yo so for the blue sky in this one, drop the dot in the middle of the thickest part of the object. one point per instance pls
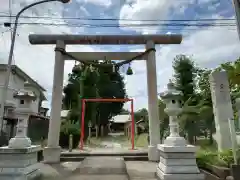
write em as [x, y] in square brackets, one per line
[209, 46]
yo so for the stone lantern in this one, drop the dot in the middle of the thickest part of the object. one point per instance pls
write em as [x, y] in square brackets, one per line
[177, 159]
[19, 158]
[172, 98]
[23, 111]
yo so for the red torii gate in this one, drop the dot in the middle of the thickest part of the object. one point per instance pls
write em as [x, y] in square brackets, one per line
[106, 100]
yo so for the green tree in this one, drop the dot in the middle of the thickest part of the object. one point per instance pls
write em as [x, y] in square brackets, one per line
[97, 83]
[233, 71]
[205, 107]
[185, 73]
[141, 114]
[110, 85]
[164, 120]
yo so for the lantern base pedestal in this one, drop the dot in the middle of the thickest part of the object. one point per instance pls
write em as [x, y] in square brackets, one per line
[178, 163]
[19, 142]
[19, 164]
[175, 141]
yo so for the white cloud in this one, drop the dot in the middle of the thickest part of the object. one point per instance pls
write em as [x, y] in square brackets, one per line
[105, 3]
[37, 61]
[148, 10]
[209, 48]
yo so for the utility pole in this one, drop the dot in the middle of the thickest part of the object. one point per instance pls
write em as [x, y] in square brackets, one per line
[236, 6]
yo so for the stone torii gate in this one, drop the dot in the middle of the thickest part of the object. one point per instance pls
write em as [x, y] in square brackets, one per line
[52, 151]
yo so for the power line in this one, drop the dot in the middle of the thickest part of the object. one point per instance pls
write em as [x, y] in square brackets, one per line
[166, 29]
[114, 19]
[132, 25]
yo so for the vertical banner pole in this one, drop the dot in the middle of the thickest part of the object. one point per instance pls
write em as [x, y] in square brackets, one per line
[133, 124]
[82, 124]
[233, 139]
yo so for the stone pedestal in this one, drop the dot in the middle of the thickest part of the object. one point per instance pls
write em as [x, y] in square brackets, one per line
[19, 164]
[52, 155]
[178, 163]
[177, 159]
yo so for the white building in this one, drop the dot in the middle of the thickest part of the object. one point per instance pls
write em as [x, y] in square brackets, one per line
[18, 81]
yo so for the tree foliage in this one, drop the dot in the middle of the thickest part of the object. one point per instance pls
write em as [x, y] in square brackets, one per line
[141, 114]
[164, 120]
[233, 71]
[184, 75]
[90, 84]
[197, 118]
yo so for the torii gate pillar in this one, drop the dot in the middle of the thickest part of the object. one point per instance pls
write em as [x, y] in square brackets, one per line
[154, 122]
[52, 152]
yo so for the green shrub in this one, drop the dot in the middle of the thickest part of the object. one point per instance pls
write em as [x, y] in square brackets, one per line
[206, 157]
[67, 128]
[223, 159]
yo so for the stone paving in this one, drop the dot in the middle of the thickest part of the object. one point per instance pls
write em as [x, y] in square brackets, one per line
[140, 170]
[100, 168]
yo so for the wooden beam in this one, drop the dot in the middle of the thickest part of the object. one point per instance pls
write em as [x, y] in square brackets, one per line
[107, 100]
[89, 56]
[104, 39]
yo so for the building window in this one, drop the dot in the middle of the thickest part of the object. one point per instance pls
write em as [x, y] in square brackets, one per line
[21, 101]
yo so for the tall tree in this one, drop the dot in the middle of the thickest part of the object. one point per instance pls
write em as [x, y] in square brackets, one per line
[98, 83]
[110, 85]
[205, 107]
[184, 76]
